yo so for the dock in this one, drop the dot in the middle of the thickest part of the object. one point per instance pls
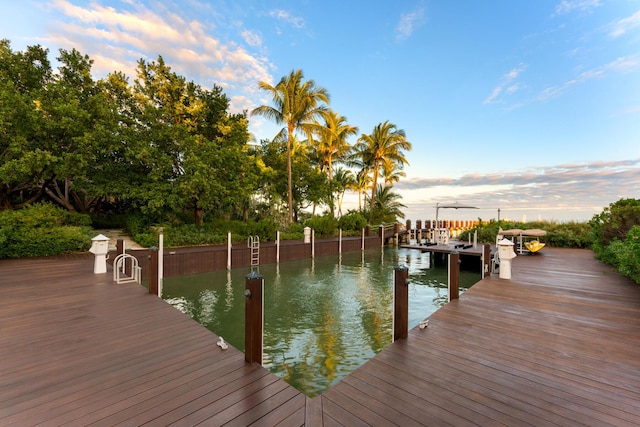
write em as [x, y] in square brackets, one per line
[557, 344]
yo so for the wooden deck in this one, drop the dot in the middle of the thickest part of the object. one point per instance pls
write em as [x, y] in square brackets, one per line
[558, 344]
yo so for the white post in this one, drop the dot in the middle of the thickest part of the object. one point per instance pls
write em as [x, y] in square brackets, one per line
[124, 251]
[362, 244]
[277, 246]
[475, 239]
[160, 262]
[340, 241]
[228, 250]
[313, 243]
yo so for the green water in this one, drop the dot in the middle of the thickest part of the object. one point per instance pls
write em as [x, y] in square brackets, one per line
[324, 317]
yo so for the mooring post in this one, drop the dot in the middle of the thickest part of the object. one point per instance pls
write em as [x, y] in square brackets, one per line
[486, 259]
[153, 270]
[454, 275]
[278, 246]
[400, 302]
[396, 232]
[340, 241]
[254, 320]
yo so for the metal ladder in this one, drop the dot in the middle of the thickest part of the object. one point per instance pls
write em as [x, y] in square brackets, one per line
[254, 245]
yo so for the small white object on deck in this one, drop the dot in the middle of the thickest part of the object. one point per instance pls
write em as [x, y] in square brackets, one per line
[223, 345]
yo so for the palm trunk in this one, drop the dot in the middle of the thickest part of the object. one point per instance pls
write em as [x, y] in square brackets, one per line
[290, 173]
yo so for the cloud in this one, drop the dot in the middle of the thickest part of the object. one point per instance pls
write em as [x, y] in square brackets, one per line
[582, 6]
[625, 25]
[284, 16]
[625, 64]
[408, 23]
[507, 79]
[571, 191]
[117, 38]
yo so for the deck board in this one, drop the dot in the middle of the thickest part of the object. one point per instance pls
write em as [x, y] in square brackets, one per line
[555, 345]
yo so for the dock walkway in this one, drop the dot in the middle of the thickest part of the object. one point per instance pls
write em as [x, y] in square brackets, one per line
[557, 344]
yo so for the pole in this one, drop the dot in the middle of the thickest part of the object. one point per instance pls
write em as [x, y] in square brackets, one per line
[228, 250]
[278, 246]
[454, 275]
[153, 271]
[160, 263]
[401, 303]
[254, 317]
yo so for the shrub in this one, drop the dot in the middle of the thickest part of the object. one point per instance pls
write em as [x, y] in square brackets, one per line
[324, 226]
[352, 222]
[42, 230]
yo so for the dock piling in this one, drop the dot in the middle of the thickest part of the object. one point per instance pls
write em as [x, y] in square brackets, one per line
[401, 303]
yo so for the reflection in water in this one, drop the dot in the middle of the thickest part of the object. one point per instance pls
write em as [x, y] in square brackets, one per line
[323, 317]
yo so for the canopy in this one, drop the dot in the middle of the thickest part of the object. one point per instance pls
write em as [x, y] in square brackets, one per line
[455, 205]
[534, 232]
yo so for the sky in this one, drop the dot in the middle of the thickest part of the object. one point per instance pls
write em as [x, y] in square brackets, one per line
[530, 107]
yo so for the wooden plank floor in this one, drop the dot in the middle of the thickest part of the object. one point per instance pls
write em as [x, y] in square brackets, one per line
[78, 350]
[557, 344]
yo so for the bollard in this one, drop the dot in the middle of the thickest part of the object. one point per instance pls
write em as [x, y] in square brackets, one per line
[486, 260]
[153, 271]
[254, 317]
[454, 275]
[401, 303]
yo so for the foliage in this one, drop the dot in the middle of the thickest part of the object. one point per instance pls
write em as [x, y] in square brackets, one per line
[159, 145]
[297, 105]
[614, 222]
[564, 235]
[616, 237]
[324, 226]
[382, 150]
[42, 230]
[625, 255]
[352, 221]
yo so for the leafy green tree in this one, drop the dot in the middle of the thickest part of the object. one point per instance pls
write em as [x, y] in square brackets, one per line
[297, 105]
[310, 184]
[385, 145]
[24, 159]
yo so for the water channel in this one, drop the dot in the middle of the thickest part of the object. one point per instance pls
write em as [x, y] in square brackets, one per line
[323, 317]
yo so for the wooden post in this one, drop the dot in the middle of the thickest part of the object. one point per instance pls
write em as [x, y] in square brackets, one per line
[486, 260]
[396, 232]
[454, 275]
[401, 303]
[153, 270]
[254, 320]
[228, 250]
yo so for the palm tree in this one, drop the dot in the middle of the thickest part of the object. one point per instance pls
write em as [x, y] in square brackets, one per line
[333, 145]
[297, 105]
[386, 144]
[392, 171]
[387, 207]
[343, 180]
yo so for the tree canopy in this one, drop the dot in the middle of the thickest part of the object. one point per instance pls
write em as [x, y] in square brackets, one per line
[165, 146]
